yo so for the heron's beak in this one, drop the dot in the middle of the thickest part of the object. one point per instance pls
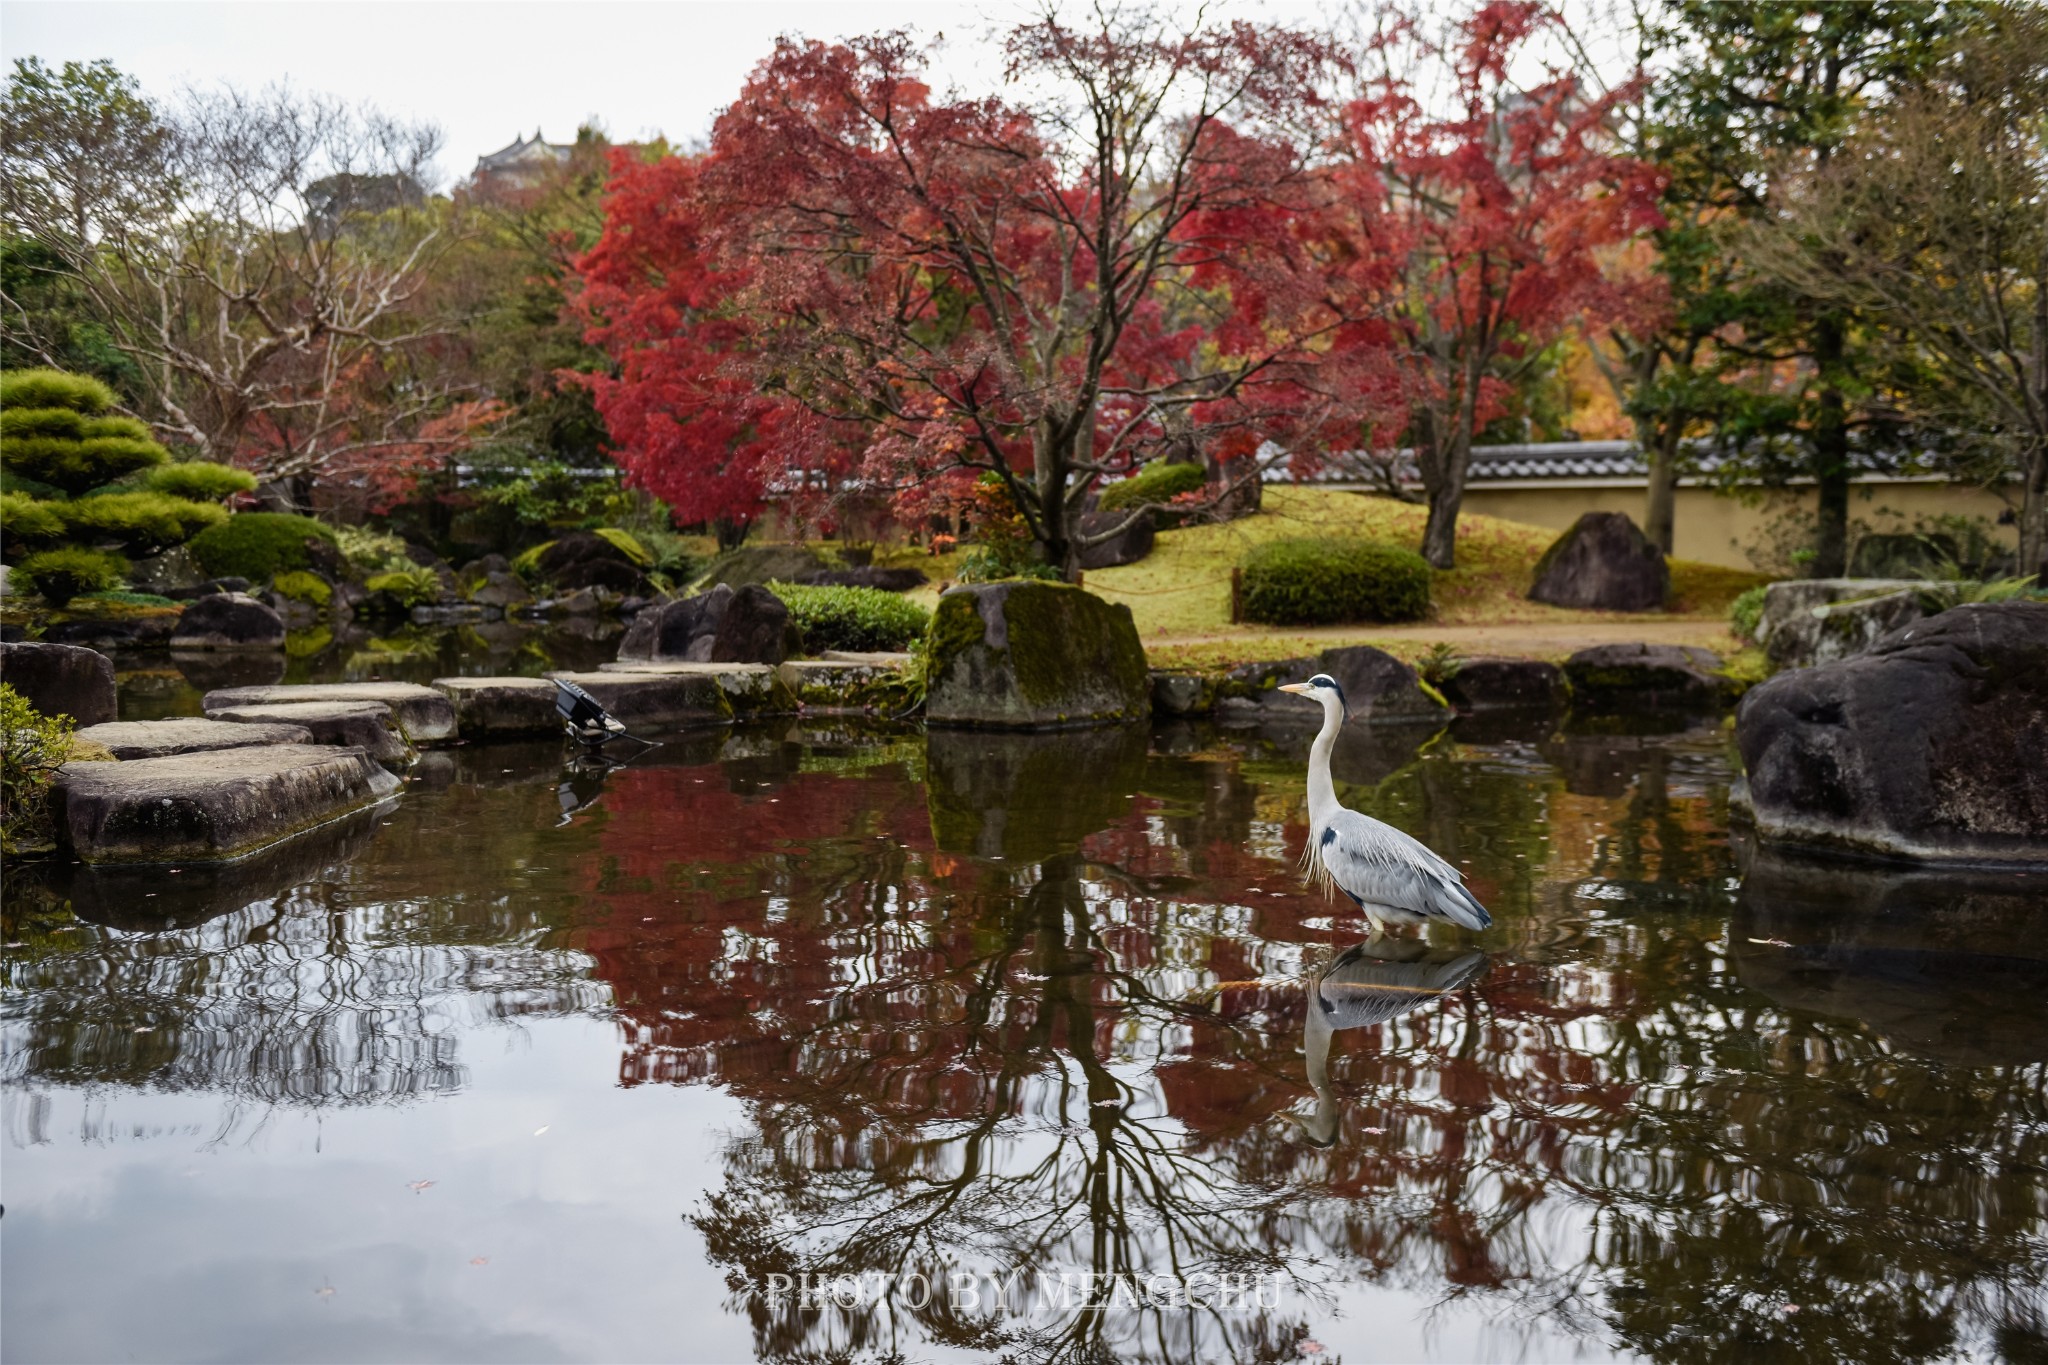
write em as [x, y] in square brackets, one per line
[1299, 689]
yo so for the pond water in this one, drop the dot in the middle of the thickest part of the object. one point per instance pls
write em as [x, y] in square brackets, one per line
[554, 1062]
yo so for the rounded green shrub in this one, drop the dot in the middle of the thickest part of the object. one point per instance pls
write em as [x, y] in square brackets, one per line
[54, 389]
[1156, 482]
[200, 480]
[62, 574]
[1323, 582]
[852, 618]
[257, 545]
[1746, 612]
[27, 524]
[60, 423]
[141, 523]
[303, 586]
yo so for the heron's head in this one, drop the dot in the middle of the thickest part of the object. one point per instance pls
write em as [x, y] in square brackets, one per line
[1323, 688]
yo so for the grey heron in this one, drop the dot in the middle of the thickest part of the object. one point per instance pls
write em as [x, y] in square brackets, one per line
[1361, 988]
[1392, 877]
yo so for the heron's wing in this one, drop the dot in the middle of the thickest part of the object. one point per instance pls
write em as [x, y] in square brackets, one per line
[1376, 864]
[1356, 990]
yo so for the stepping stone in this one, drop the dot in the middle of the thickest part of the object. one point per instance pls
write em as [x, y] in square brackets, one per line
[130, 739]
[219, 804]
[424, 714]
[488, 707]
[670, 697]
[750, 689]
[879, 658]
[368, 725]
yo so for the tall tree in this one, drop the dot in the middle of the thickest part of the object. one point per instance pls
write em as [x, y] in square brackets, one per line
[1032, 292]
[1933, 224]
[1497, 201]
[1757, 91]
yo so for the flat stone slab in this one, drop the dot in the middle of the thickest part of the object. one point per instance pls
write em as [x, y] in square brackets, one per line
[487, 707]
[220, 804]
[880, 658]
[424, 714]
[669, 697]
[131, 739]
[834, 684]
[750, 689]
[366, 725]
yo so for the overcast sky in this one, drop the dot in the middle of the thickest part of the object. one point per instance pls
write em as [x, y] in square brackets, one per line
[489, 70]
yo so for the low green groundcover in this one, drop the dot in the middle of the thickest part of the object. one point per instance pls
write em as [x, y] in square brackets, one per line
[1312, 582]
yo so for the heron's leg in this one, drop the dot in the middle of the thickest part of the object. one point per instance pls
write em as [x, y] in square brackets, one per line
[1379, 927]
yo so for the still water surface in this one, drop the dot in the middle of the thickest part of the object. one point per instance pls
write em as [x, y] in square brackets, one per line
[555, 1063]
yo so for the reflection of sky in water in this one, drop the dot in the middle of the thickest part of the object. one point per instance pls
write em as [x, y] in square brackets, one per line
[857, 1004]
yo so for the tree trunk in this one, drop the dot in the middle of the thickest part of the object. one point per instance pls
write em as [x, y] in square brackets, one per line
[1447, 495]
[2034, 516]
[1660, 504]
[1831, 471]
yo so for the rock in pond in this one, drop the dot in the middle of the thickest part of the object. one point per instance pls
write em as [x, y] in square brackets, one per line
[367, 725]
[657, 699]
[131, 739]
[1929, 747]
[841, 685]
[1023, 798]
[750, 689]
[1490, 683]
[585, 559]
[1648, 676]
[1812, 621]
[487, 708]
[229, 620]
[1176, 693]
[1378, 688]
[221, 804]
[423, 713]
[1603, 563]
[60, 680]
[1031, 655]
[748, 625]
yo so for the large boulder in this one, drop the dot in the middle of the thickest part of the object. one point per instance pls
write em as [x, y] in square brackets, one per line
[1928, 747]
[1127, 546]
[1608, 677]
[229, 620]
[750, 625]
[585, 559]
[220, 804]
[1812, 621]
[500, 588]
[60, 680]
[1603, 563]
[1488, 683]
[867, 576]
[130, 628]
[1031, 655]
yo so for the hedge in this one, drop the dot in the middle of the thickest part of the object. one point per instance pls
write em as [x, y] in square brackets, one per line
[1323, 582]
[257, 545]
[852, 618]
[1157, 482]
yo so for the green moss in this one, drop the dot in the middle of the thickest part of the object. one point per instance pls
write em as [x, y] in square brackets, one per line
[956, 627]
[626, 545]
[305, 644]
[1157, 482]
[527, 563]
[303, 586]
[257, 545]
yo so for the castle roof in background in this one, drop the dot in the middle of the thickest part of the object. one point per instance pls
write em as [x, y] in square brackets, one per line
[524, 156]
[1555, 464]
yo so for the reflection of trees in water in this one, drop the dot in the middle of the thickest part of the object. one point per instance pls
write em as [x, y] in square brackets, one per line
[1611, 1131]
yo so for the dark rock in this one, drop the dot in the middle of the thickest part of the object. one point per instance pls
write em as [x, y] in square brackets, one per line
[423, 713]
[1812, 621]
[749, 689]
[1647, 676]
[60, 679]
[453, 614]
[1487, 683]
[366, 725]
[888, 580]
[585, 559]
[324, 557]
[295, 614]
[655, 700]
[489, 707]
[219, 804]
[1928, 747]
[763, 564]
[229, 621]
[500, 588]
[208, 588]
[1127, 546]
[582, 602]
[1378, 688]
[130, 739]
[484, 566]
[750, 625]
[1182, 694]
[1603, 563]
[169, 574]
[1031, 655]
[130, 630]
[10, 632]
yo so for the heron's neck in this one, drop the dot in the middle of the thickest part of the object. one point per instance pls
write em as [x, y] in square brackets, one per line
[1322, 791]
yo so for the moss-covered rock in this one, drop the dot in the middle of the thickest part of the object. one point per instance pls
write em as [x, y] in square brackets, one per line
[1607, 677]
[1031, 655]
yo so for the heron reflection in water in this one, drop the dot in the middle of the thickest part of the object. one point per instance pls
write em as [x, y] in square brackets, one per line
[1392, 877]
[1369, 984]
